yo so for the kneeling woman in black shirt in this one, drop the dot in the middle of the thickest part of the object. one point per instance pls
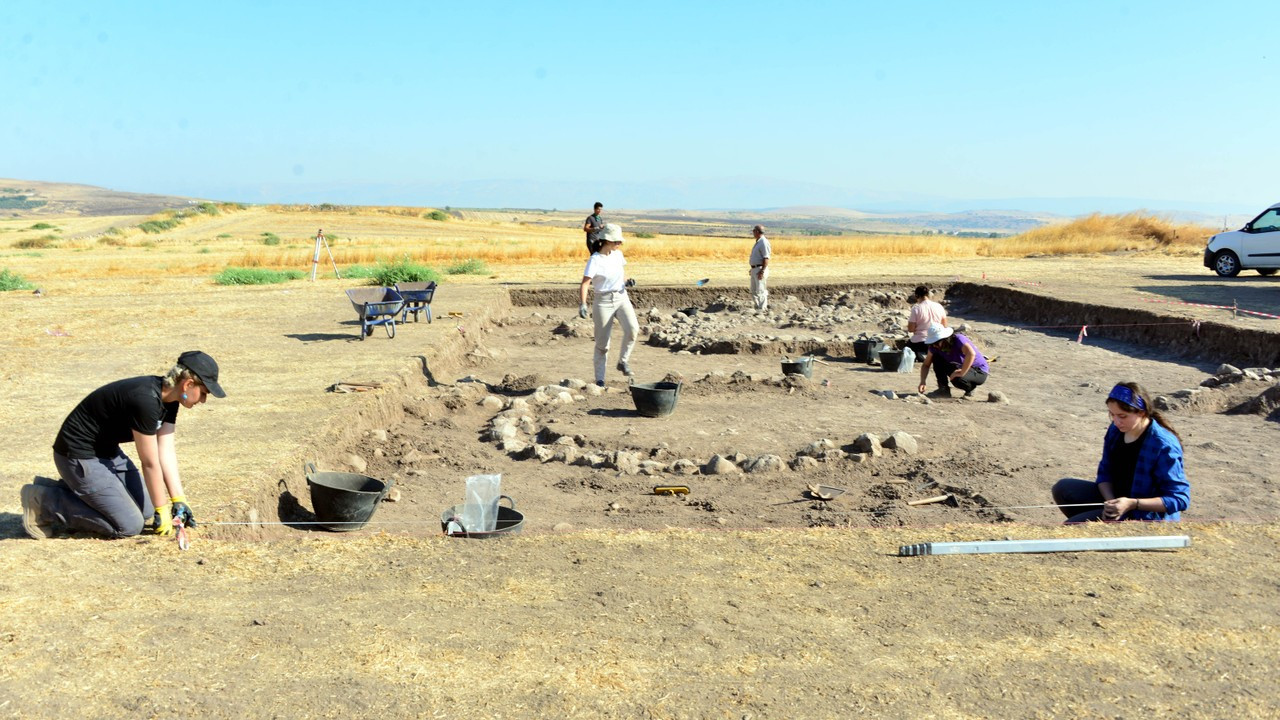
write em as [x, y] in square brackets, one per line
[1140, 476]
[102, 492]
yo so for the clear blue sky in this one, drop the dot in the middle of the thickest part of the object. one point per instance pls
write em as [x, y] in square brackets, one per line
[658, 104]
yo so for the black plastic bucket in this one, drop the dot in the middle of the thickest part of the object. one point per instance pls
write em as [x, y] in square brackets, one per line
[510, 522]
[655, 399]
[890, 359]
[344, 501]
[862, 350]
[799, 366]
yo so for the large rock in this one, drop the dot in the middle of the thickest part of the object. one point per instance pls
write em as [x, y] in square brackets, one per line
[355, 462]
[652, 467]
[514, 446]
[502, 431]
[902, 441]
[491, 402]
[804, 462]
[867, 443]
[765, 463]
[817, 448]
[995, 396]
[719, 465]
[1225, 369]
[683, 467]
[627, 461]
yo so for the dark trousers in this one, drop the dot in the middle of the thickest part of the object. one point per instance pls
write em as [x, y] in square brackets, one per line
[942, 371]
[103, 496]
[1074, 491]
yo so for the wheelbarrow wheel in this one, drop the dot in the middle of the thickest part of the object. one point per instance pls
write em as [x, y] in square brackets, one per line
[391, 328]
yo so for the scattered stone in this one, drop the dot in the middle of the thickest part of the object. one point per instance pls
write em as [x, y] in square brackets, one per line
[355, 462]
[903, 441]
[393, 495]
[561, 527]
[514, 446]
[491, 402]
[996, 396]
[889, 394]
[1210, 382]
[543, 453]
[615, 506]
[683, 467]
[574, 383]
[652, 467]
[566, 454]
[860, 457]
[1225, 369]
[378, 435]
[765, 463]
[627, 461]
[804, 462]
[719, 465]
[502, 431]
[379, 452]
[593, 390]
[867, 443]
[817, 448]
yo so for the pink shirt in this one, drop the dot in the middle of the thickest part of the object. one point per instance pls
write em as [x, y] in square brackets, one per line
[923, 314]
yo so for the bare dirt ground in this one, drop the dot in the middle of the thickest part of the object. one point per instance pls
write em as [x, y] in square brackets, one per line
[742, 599]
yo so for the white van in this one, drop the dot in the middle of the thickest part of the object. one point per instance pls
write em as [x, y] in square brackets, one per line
[1256, 246]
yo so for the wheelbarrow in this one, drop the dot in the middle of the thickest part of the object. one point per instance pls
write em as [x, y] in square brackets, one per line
[376, 306]
[417, 298]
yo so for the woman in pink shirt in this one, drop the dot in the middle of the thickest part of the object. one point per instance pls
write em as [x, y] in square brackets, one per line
[924, 312]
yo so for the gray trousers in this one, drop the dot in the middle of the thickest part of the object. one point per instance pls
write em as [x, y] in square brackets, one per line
[103, 496]
[606, 308]
[760, 288]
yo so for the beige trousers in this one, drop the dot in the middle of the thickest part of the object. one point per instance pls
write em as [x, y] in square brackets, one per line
[606, 308]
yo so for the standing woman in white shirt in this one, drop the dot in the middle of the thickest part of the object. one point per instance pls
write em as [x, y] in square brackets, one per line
[606, 274]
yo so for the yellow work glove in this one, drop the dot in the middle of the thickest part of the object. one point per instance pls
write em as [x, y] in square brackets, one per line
[164, 519]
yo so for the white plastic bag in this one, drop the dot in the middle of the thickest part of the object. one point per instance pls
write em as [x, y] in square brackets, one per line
[480, 511]
[908, 361]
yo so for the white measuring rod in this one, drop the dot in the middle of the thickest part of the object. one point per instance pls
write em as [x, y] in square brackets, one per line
[1150, 542]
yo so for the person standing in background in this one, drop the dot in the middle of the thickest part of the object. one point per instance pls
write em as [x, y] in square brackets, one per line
[759, 273]
[593, 226]
[606, 275]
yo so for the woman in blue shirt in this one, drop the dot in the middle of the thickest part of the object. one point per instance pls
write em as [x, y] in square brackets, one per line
[1140, 476]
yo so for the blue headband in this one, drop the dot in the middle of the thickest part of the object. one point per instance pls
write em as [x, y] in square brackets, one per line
[1120, 393]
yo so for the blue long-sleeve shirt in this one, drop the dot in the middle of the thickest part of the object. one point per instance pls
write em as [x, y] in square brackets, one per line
[1158, 473]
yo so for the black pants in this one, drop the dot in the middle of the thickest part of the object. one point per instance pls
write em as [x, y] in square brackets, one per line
[942, 371]
[1074, 491]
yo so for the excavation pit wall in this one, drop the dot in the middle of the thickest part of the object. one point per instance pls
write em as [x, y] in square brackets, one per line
[444, 424]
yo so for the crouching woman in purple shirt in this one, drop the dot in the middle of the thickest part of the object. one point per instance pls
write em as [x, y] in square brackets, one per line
[1140, 476]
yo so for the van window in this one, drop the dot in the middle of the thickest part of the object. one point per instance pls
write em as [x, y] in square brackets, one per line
[1268, 221]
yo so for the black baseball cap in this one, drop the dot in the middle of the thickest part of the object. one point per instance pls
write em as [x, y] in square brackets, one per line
[204, 368]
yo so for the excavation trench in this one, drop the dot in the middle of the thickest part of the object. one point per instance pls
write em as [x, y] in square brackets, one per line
[512, 397]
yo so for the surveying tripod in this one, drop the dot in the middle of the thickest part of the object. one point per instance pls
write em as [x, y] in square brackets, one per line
[315, 258]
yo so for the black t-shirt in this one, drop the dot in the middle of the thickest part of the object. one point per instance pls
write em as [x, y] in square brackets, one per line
[1124, 461]
[110, 414]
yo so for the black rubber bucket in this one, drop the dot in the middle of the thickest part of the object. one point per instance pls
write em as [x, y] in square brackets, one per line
[655, 399]
[510, 522]
[799, 366]
[344, 501]
[862, 350]
[890, 359]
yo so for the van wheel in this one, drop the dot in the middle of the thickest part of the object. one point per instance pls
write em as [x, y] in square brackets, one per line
[1268, 271]
[1226, 264]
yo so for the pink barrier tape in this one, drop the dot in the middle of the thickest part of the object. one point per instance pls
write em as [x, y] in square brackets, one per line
[1216, 307]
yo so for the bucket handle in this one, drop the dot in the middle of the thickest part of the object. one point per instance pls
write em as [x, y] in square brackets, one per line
[308, 468]
[386, 488]
[457, 519]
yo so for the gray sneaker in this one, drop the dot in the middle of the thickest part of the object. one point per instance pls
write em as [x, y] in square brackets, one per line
[32, 497]
[940, 393]
[625, 369]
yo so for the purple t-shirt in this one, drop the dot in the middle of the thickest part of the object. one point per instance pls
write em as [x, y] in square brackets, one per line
[955, 355]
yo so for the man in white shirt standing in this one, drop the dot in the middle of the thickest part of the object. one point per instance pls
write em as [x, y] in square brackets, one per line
[606, 275]
[759, 273]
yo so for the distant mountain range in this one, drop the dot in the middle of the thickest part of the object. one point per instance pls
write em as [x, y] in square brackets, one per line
[873, 214]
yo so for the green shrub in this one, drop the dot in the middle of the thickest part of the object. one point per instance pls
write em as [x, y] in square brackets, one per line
[113, 230]
[13, 281]
[270, 239]
[207, 208]
[205, 251]
[360, 272]
[437, 215]
[223, 236]
[47, 241]
[112, 241]
[255, 276]
[470, 266]
[158, 226]
[43, 226]
[644, 235]
[403, 270]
